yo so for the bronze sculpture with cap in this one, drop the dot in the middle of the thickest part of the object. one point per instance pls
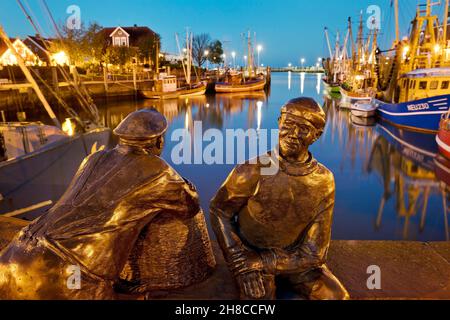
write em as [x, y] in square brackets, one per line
[279, 226]
[122, 205]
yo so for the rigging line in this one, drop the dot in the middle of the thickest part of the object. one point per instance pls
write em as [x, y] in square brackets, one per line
[86, 101]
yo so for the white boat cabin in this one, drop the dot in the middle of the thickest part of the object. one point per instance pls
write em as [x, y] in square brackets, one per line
[21, 139]
[166, 83]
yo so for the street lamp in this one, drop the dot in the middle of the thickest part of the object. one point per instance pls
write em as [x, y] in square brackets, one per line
[245, 60]
[303, 62]
[206, 53]
[233, 54]
[224, 56]
[259, 53]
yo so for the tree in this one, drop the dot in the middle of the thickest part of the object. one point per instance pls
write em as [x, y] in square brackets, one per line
[200, 44]
[216, 52]
[149, 47]
[94, 43]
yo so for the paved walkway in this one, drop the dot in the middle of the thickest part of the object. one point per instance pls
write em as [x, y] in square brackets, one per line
[409, 270]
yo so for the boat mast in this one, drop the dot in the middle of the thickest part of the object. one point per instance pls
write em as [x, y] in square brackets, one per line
[350, 28]
[446, 8]
[189, 56]
[250, 55]
[328, 43]
[29, 77]
[397, 23]
[360, 39]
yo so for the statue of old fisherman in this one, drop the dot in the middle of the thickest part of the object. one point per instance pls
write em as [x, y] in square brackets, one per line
[127, 217]
[278, 227]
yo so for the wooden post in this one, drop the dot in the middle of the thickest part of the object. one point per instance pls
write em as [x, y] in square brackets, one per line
[105, 78]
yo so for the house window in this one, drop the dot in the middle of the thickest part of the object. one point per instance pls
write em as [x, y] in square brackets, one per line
[412, 84]
[434, 85]
[423, 85]
[445, 85]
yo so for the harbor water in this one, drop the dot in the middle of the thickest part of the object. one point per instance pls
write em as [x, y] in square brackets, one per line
[389, 183]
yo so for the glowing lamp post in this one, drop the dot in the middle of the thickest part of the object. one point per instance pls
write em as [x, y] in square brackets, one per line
[233, 54]
[206, 54]
[259, 48]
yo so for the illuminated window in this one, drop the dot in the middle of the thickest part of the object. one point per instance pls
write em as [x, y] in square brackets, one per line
[434, 85]
[423, 85]
[445, 85]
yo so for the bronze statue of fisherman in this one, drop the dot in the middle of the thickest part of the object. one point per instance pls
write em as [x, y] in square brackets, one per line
[278, 227]
[127, 217]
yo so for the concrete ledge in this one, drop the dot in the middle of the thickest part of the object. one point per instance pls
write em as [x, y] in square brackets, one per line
[409, 270]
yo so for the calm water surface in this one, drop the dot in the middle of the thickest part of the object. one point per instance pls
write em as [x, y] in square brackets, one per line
[389, 186]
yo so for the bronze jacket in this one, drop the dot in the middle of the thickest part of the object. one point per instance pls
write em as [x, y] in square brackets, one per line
[94, 226]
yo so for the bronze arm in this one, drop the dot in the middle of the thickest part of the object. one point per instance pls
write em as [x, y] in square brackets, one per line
[312, 249]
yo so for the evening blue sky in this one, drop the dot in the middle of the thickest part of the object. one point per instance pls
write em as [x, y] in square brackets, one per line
[287, 29]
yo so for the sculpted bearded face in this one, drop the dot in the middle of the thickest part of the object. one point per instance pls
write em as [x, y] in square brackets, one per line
[296, 135]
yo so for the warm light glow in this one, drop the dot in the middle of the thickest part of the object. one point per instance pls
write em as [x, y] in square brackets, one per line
[437, 49]
[60, 58]
[206, 53]
[68, 128]
[8, 58]
[259, 105]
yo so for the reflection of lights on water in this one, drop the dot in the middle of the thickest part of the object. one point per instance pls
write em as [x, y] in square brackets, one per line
[302, 82]
[289, 80]
[207, 105]
[259, 105]
[186, 121]
[68, 127]
[319, 82]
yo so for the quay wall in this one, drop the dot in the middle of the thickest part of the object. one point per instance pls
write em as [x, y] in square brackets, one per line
[21, 97]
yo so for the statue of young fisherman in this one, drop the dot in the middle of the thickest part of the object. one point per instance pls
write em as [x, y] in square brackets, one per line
[279, 226]
[121, 205]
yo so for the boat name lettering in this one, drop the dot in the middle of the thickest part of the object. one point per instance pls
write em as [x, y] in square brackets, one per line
[417, 107]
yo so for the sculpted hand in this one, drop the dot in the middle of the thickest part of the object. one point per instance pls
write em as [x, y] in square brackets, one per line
[252, 285]
[245, 261]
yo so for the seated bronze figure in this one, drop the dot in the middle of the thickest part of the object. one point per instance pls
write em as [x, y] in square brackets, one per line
[127, 219]
[279, 227]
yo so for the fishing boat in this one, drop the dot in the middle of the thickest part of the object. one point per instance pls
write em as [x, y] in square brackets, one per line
[364, 110]
[418, 90]
[361, 82]
[35, 155]
[165, 87]
[247, 86]
[249, 81]
[443, 136]
[198, 89]
[355, 96]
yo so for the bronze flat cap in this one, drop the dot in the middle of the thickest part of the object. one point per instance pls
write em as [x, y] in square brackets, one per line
[306, 108]
[142, 125]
